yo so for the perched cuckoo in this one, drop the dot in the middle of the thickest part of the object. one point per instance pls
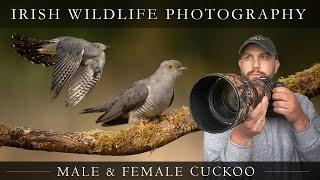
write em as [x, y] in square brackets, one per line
[75, 61]
[145, 99]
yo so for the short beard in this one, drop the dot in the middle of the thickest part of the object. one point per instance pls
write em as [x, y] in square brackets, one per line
[256, 71]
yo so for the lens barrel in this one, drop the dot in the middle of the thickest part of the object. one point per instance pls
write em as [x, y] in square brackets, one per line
[220, 101]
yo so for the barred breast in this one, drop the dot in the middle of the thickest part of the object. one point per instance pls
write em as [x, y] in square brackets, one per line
[149, 109]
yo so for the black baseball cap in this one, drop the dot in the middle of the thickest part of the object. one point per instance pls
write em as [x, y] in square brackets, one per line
[262, 41]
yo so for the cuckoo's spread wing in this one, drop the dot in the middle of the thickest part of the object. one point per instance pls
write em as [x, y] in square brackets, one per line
[69, 56]
[85, 80]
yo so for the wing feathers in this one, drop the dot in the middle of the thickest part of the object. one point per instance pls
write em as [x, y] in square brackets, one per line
[85, 81]
[66, 67]
[66, 54]
[130, 99]
[84, 85]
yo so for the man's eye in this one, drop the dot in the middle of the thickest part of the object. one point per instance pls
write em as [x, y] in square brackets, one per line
[247, 58]
[263, 57]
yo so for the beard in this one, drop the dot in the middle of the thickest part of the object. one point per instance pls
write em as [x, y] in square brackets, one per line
[254, 74]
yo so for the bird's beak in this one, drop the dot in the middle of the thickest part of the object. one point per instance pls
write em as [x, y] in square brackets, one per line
[182, 69]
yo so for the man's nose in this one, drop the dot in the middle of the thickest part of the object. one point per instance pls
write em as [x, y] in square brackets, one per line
[256, 63]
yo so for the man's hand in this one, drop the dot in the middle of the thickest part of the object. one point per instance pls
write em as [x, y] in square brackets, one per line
[286, 103]
[243, 133]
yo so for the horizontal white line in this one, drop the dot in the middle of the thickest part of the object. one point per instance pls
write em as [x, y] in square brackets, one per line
[28, 171]
[289, 171]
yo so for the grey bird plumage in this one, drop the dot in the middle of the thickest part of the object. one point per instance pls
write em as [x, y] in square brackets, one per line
[74, 60]
[145, 99]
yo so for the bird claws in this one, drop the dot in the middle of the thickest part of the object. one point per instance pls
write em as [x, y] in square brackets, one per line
[142, 124]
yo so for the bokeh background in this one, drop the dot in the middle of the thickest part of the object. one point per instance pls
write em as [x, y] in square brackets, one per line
[134, 54]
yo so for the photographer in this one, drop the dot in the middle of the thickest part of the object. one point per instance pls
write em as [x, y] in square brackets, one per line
[293, 137]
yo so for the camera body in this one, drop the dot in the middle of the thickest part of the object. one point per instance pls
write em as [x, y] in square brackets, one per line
[220, 101]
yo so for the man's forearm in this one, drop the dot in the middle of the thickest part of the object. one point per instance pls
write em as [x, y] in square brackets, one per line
[219, 147]
[308, 143]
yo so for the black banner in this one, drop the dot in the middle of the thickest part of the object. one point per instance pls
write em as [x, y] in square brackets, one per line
[197, 14]
[158, 170]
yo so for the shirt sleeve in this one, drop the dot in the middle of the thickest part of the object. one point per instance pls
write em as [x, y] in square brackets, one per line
[219, 147]
[307, 142]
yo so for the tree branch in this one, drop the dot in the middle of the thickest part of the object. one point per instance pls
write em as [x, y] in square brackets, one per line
[161, 131]
[306, 82]
[146, 137]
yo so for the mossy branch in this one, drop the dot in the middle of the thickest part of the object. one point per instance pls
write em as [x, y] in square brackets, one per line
[306, 82]
[146, 137]
[161, 131]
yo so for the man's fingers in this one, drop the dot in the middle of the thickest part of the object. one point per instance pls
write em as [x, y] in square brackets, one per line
[280, 110]
[280, 90]
[255, 122]
[265, 102]
[280, 96]
[256, 111]
[260, 110]
[281, 104]
[260, 125]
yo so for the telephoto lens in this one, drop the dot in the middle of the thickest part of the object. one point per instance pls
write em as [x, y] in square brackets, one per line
[221, 101]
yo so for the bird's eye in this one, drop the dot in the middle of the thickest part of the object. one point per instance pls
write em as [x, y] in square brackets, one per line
[170, 66]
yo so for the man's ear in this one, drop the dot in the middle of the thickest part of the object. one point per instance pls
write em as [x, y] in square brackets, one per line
[276, 66]
[240, 63]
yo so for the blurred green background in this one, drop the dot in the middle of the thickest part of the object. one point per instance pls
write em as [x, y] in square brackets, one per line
[134, 54]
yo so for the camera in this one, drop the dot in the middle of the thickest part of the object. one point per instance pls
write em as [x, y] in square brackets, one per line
[221, 101]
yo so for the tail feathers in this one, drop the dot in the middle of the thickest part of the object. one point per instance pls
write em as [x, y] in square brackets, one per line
[112, 115]
[118, 121]
[30, 49]
[109, 116]
[113, 118]
[102, 108]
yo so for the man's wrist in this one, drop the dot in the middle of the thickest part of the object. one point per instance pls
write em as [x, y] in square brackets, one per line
[241, 139]
[301, 124]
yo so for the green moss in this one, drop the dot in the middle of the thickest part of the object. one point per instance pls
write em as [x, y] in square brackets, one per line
[146, 136]
[305, 82]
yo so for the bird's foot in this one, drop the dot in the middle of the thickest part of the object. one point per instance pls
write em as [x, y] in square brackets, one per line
[143, 123]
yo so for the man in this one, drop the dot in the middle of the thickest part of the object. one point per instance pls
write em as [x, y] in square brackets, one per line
[293, 138]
